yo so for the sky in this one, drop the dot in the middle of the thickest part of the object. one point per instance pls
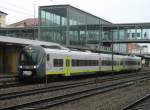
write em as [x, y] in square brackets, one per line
[115, 11]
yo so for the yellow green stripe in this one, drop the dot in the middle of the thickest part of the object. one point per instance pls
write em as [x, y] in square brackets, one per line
[73, 71]
[82, 71]
[55, 72]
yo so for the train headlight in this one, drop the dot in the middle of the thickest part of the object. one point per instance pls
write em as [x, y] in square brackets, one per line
[20, 66]
[34, 67]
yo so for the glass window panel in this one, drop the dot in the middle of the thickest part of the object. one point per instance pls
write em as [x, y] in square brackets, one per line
[43, 17]
[53, 18]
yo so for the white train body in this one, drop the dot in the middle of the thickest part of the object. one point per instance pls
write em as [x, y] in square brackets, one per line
[68, 63]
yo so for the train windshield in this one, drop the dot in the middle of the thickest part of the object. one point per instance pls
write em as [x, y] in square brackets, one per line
[29, 58]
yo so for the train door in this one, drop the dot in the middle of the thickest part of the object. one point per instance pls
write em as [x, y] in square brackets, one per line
[67, 66]
[100, 63]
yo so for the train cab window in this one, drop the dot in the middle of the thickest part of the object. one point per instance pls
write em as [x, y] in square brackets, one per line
[47, 57]
[22, 57]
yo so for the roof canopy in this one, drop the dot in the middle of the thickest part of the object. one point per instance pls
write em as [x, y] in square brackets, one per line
[1, 12]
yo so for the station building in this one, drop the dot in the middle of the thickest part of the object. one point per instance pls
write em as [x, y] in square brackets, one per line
[70, 27]
[2, 19]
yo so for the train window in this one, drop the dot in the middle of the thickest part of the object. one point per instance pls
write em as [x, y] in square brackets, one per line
[95, 62]
[73, 62]
[47, 57]
[22, 57]
[121, 62]
[77, 62]
[92, 62]
[114, 62]
[139, 63]
[84, 62]
[58, 62]
[108, 63]
[102, 62]
[88, 62]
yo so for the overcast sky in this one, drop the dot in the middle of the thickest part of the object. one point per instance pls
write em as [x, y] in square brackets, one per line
[116, 11]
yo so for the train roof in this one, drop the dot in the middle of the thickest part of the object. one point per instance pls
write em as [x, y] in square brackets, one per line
[62, 51]
[21, 41]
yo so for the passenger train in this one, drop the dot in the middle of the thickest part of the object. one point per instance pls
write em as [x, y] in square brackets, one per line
[37, 62]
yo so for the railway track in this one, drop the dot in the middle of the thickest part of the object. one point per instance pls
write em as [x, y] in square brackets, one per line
[70, 92]
[48, 88]
[8, 80]
[142, 104]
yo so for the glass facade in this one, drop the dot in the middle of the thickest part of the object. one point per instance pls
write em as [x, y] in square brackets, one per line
[20, 32]
[53, 24]
[131, 33]
[77, 27]
[68, 25]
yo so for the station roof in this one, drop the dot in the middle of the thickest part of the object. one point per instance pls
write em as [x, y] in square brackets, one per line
[68, 5]
[1, 12]
[20, 41]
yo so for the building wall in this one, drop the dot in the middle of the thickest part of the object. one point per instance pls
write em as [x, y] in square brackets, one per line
[2, 20]
[22, 32]
[9, 56]
[135, 48]
[122, 48]
[1, 61]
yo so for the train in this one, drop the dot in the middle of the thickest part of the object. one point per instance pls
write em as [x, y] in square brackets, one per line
[37, 62]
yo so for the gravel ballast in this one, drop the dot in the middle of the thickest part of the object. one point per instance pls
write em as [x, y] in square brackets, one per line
[114, 100]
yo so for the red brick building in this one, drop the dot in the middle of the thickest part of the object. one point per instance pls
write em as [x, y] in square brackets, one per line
[134, 48]
[29, 22]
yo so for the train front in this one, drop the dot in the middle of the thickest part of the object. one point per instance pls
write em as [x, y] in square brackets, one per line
[32, 62]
